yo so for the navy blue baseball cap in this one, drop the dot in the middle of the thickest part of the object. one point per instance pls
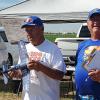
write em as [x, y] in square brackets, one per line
[93, 12]
[32, 21]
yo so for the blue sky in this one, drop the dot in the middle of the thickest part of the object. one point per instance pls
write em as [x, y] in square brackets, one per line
[7, 3]
[64, 27]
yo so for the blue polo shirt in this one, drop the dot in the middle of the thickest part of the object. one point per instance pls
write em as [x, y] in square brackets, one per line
[84, 84]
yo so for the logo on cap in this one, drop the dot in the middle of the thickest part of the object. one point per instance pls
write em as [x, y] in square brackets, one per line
[28, 20]
[32, 20]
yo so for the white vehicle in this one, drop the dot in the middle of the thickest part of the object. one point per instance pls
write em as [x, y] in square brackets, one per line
[68, 46]
[83, 31]
[8, 51]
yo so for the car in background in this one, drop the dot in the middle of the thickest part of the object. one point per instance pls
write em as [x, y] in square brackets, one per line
[69, 46]
[8, 50]
[83, 31]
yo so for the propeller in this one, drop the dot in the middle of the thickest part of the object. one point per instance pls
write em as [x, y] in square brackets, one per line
[5, 69]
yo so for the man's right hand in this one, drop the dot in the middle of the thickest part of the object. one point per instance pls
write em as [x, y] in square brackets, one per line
[15, 74]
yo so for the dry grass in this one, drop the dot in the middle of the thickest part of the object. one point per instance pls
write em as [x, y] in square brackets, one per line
[9, 96]
[7, 92]
[12, 96]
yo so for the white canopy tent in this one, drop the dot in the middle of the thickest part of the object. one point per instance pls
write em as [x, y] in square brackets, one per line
[51, 11]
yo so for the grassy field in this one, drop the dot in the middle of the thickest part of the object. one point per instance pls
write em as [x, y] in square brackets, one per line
[7, 91]
[52, 37]
[11, 96]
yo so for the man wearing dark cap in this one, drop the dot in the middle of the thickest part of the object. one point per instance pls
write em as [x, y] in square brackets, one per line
[88, 81]
[46, 64]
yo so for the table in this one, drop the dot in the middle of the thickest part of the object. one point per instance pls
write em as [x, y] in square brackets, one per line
[70, 68]
[70, 72]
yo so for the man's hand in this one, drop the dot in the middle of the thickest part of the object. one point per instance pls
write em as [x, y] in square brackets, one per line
[94, 74]
[15, 74]
[34, 65]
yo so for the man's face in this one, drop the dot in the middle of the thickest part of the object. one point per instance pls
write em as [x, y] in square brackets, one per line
[94, 24]
[33, 32]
